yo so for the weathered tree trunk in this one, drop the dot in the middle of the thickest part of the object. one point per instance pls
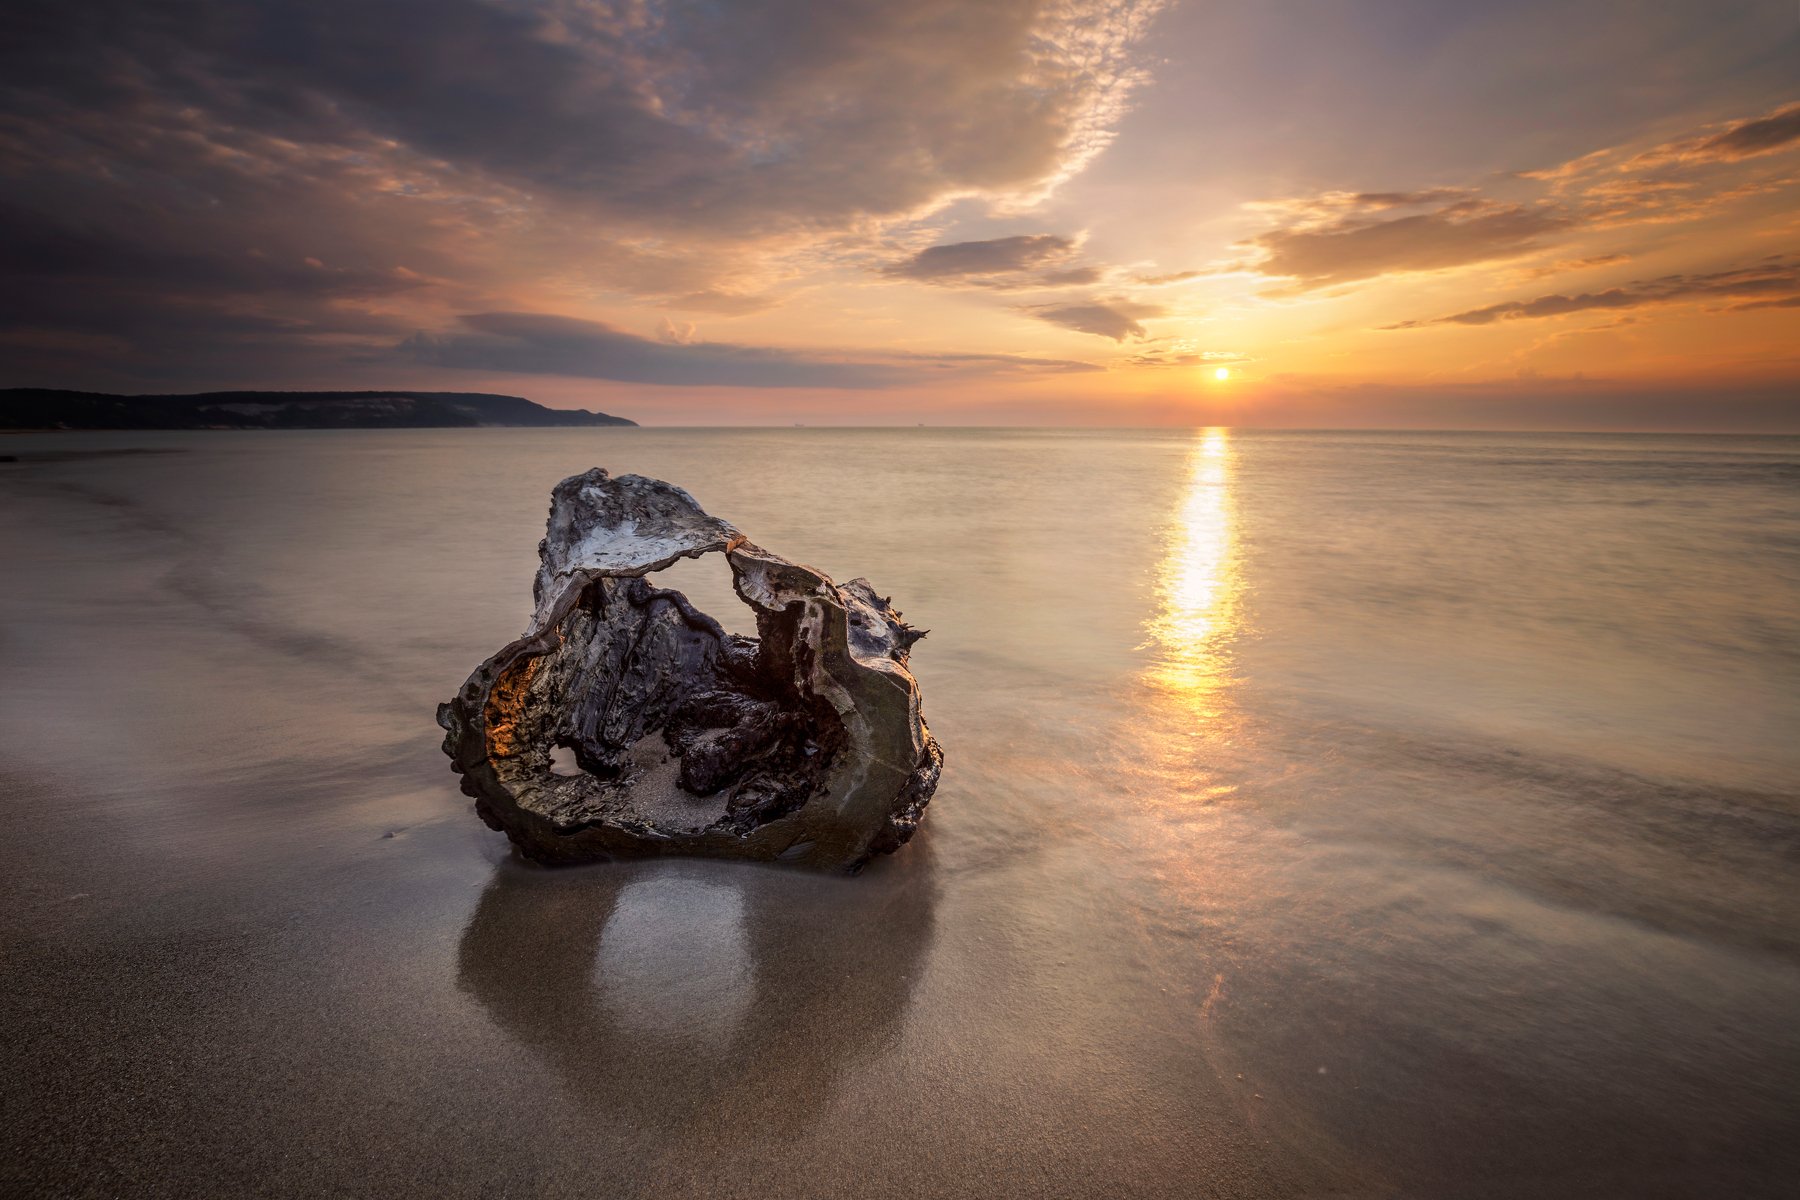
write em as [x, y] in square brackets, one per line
[804, 744]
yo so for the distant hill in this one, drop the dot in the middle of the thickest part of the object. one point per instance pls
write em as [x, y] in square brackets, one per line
[52, 408]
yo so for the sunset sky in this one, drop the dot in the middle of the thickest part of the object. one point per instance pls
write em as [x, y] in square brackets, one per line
[1495, 215]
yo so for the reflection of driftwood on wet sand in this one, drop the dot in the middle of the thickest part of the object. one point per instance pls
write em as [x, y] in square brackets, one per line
[825, 971]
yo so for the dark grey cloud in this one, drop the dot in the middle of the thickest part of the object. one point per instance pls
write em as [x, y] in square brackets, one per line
[87, 302]
[312, 169]
[667, 115]
[1354, 247]
[1110, 318]
[961, 261]
[540, 344]
[200, 255]
[1771, 283]
[1010, 264]
[38, 250]
[1071, 277]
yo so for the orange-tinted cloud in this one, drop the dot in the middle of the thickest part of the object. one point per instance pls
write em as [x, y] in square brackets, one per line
[1564, 265]
[1345, 237]
[1354, 247]
[1751, 138]
[1183, 355]
[1779, 276]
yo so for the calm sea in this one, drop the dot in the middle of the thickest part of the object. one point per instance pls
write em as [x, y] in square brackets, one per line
[1324, 814]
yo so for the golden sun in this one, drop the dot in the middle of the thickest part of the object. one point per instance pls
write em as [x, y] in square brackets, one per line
[1222, 373]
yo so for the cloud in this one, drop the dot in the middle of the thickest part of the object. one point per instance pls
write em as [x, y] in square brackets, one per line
[685, 334]
[1779, 274]
[178, 304]
[1564, 265]
[234, 259]
[1340, 237]
[504, 150]
[695, 117]
[997, 256]
[1183, 354]
[1750, 137]
[1768, 134]
[1337, 205]
[46, 250]
[1015, 263]
[1349, 248]
[1640, 201]
[1166, 279]
[1073, 277]
[1112, 318]
[1379, 201]
[1782, 302]
[725, 304]
[541, 344]
[1570, 169]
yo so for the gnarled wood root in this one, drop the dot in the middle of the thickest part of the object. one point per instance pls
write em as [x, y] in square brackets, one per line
[803, 744]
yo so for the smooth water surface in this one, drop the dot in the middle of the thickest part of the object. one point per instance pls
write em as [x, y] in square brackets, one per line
[1324, 814]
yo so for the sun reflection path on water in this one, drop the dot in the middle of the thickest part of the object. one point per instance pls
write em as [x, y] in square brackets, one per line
[1198, 589]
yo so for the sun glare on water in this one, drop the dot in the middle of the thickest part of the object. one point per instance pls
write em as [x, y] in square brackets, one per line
[1197, 585]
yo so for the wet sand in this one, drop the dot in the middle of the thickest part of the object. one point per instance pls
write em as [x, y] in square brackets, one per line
[418, 1015]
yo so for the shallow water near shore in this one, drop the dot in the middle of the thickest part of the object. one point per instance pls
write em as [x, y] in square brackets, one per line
[1323, 814]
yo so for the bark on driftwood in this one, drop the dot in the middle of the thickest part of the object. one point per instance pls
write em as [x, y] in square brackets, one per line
[803, 744]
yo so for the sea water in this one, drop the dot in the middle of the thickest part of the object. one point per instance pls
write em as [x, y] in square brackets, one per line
[1323, 813]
